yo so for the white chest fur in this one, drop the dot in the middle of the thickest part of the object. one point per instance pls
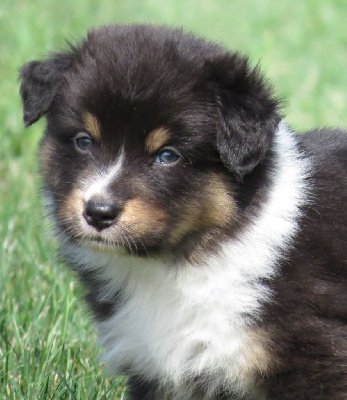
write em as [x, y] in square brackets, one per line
[185, 321]
[181, 324]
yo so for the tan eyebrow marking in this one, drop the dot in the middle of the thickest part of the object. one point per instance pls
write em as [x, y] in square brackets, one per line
[156, 139]
[92, 125]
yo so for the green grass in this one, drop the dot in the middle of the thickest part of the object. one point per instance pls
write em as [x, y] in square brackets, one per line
[47, 340]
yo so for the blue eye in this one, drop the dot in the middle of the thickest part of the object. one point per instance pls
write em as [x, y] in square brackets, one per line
[83, 143]
[167, 156]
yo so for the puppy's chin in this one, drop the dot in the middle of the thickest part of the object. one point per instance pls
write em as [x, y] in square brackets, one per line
[100, 245]
[120, 244]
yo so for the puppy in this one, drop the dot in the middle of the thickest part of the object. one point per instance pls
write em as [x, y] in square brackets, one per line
[211, 239]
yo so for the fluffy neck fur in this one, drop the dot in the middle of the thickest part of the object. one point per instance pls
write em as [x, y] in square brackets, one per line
[180, 322]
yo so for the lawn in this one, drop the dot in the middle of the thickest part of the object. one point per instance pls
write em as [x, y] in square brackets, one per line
[48, 347]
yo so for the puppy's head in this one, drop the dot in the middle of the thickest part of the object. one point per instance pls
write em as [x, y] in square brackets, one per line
[149, 134]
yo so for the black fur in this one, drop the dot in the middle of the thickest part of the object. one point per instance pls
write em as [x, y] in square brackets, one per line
[223, 113]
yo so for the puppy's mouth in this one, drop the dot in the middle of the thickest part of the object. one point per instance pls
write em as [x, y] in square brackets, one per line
[102, 239]
[138, 229]
[98, 243]
[115, 242]
[96, 234]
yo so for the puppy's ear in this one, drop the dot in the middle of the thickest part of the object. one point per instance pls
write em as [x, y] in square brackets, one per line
[248, 113]
[40, 80]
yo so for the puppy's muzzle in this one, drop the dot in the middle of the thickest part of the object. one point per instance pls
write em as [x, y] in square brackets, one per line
[101, 214]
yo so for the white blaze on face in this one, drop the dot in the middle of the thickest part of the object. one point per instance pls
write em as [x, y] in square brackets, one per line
[99, 184]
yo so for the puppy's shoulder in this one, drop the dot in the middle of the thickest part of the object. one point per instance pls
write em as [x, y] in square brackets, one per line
[326, 211]
[327, 146]
[327, 151]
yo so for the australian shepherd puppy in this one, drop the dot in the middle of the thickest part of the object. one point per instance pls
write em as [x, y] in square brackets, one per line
[211, 239]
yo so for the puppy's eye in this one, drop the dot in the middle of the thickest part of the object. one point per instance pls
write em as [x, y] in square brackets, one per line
[167, 156]
[83, 142]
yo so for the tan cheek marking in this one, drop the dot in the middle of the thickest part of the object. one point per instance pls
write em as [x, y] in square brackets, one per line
[157, 139]
[211, 209]
[189, 221]
[141, 218]
[218, 206]
[71, 209]
[92, 126]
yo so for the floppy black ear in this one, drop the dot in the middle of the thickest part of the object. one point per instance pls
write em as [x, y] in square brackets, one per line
[248, 113]
[40, 80]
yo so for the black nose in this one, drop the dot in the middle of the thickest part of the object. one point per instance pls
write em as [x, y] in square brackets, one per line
[100, 215]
